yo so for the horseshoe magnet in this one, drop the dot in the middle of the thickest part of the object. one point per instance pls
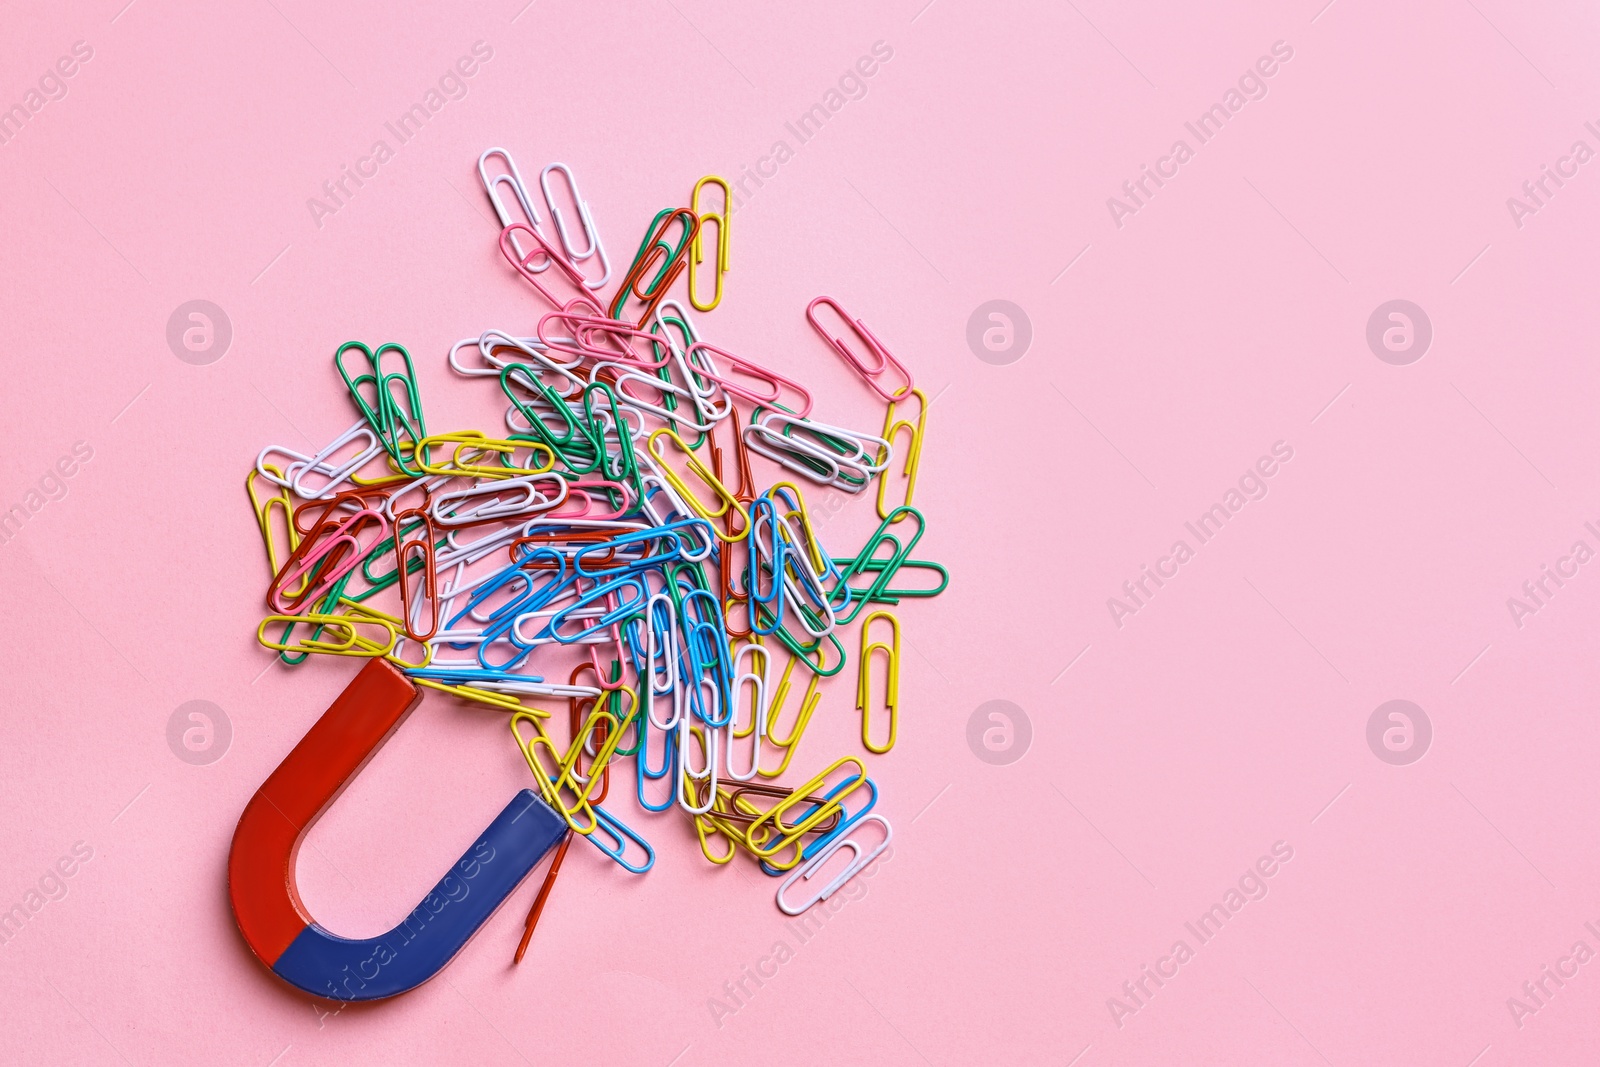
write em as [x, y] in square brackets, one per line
[261, 863]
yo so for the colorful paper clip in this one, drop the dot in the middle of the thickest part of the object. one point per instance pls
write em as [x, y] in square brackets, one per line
[654, 249]
[575, 252]
[628, 546]
[720, 219]
[878, 358]
[859, 861]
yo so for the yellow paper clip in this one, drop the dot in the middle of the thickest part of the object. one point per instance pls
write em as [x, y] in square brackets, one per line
[355, 609]
[721, 219]
[769, 834]
[551, 786]
[347, 640]
[693, 464]
[503, 701]
[808, 707]
[274, 512]
[390, 468]
[913, 452]
[704, 827]
[470, 447]
[891, 652]
[565, 778]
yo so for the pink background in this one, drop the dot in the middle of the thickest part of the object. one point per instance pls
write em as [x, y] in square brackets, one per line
[1229, 714]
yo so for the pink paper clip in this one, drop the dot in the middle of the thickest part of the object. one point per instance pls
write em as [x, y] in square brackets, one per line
[619, 682]
[528, 265]
[881, 355]
[327, 536]
[773, 380]
[587, 333]
[583, 502]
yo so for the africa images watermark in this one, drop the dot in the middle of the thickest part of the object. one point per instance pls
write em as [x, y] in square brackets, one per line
[852, 85]
[1537, 993]
[51, 86]
[752, 978]
[456, 886]
[1252, 485]
[1252, 885]
[52, 485]
[1252, 85]
[452, 85]
[1537, 592]
[1538, 192]
[51, 886]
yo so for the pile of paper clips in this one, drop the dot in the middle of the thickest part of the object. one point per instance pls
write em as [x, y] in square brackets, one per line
[618, 513]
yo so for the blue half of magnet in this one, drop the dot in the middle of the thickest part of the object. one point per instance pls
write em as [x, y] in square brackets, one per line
[342, 969]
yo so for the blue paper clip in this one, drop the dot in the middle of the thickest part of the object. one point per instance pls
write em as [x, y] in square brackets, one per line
[618, 834]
